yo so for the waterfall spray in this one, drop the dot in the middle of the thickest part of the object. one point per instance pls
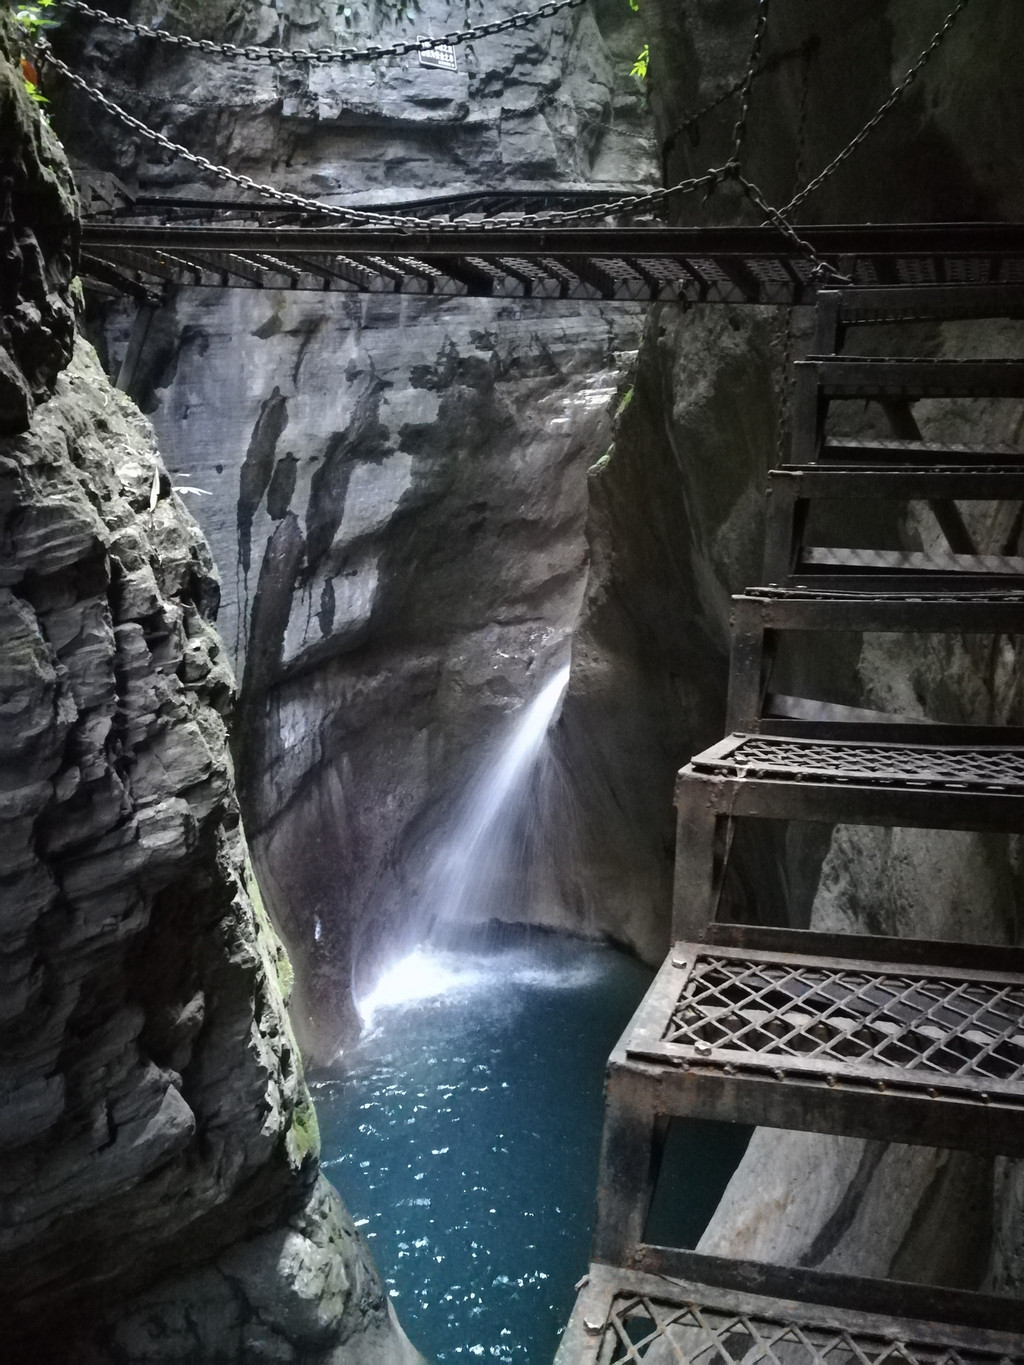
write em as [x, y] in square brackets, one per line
[472, 867]
[474, 859]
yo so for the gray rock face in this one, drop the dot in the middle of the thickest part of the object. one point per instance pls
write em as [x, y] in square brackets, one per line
[397, 487]
[154, 1115]
[37, 221]
[160, 1192]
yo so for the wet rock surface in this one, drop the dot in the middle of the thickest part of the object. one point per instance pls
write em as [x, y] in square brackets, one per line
[154, 1115]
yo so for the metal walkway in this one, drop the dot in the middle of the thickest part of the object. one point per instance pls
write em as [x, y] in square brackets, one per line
[487, 259]
[879, 1038]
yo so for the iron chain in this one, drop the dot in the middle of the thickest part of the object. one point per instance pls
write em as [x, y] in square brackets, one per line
[629, 203]
[881, 112]
[760, 28]
[325, 55]
[822, 270]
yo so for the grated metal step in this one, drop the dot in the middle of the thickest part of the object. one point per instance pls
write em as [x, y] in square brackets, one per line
[668, 1316]
[889, 1040]
[926, 768]
[924, 302]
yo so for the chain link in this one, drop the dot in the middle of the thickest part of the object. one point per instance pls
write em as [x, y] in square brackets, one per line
[822, 271]
[881, 112]
[325, 55]
[629, 203]
[747, 85]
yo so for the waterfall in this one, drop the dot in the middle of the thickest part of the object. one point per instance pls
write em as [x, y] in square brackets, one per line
[476, 867]
[474, 862]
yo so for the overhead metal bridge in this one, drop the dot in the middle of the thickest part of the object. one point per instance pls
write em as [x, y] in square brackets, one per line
[488, 259]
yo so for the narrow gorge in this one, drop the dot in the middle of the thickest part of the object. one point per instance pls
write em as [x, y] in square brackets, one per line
[349, 622]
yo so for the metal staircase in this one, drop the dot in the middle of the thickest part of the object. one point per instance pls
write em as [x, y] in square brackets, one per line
[899, 1040]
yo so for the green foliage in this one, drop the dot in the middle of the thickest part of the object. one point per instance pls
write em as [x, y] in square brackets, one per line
[643, 57]
[31, 17]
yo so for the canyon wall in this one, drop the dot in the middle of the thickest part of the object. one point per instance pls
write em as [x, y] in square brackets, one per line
[161, 1198]
[408, 545]
[397, 488]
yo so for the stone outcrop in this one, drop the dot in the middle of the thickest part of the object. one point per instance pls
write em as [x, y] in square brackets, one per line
[160, 1191]
[38, 220]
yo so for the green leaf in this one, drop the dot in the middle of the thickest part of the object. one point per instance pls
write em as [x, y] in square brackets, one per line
[639, 67]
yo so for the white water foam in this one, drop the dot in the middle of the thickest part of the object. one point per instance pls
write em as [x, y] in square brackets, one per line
[468, 868]
[432, 973]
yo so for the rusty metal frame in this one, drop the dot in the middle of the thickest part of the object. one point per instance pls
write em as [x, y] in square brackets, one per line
[653, 1076]
[720, 264]
[746, 1311]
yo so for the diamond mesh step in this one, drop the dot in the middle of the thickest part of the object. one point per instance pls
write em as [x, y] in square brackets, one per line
[880, 1021]
[625, 1316]
[982, 767]
[835, 1040]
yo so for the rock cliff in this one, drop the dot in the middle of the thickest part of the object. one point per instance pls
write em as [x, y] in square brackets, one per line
[403, 556]
[160, 1191]
[397, 487]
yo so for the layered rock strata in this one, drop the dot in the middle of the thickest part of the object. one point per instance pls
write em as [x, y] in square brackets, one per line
[160, 1191]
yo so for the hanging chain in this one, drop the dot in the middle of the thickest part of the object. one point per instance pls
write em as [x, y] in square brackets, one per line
[822, 272]
[629, 203]
[881, 112]
[325, 55]
[747, 85]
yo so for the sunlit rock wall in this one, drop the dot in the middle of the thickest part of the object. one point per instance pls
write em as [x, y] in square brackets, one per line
[160, 1197]
[397, 488]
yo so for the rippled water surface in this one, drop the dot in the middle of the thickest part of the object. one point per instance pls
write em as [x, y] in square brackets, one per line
[463, 1134]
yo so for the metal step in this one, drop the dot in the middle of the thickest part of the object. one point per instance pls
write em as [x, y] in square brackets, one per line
[846, 449]
[828, 780]
[934, 771]
[850, 376]
[812, 609]
[922, 302]
[902, 580]
[904, 482]
[883, 1039]
[894, 562]
[838, 1038]
[705, 1310]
